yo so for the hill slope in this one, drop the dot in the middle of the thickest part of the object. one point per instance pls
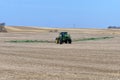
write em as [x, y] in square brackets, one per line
[73, 30]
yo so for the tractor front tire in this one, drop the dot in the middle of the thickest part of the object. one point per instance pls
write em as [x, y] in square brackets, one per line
[61, 41]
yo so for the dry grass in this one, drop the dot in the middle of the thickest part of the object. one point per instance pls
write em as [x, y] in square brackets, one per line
[86, 60]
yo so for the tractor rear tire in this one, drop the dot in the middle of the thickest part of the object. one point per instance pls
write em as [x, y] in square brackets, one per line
[70, 41]
[61, 41]
[66, 41]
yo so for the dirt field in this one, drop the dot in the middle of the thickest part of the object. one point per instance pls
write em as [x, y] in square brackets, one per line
[82, 60]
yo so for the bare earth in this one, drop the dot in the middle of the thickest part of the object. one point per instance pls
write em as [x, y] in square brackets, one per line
[83, 60]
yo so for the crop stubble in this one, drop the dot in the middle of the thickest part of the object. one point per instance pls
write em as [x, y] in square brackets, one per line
[87, 60]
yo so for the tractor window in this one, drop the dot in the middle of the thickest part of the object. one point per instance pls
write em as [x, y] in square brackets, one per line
[63, 33]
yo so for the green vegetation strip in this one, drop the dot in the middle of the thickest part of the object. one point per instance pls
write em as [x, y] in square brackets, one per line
[88, 39]
[30, 41]
[46, 41]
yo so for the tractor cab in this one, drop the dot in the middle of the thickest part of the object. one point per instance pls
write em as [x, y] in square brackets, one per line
[63, 34]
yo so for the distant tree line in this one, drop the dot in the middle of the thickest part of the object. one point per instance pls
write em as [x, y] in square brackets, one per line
[113, 27]
[2, 24]
[2, 27]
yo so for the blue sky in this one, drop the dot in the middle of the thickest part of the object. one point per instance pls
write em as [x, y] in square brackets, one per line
[61, 13]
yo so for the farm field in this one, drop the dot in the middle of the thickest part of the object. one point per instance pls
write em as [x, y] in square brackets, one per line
[81, 60]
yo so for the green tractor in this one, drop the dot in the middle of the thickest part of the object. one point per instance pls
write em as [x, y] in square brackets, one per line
[63, 37]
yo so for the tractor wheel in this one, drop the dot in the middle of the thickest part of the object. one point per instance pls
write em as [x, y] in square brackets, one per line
[66, 41]
[61, 41]
[70, 41]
